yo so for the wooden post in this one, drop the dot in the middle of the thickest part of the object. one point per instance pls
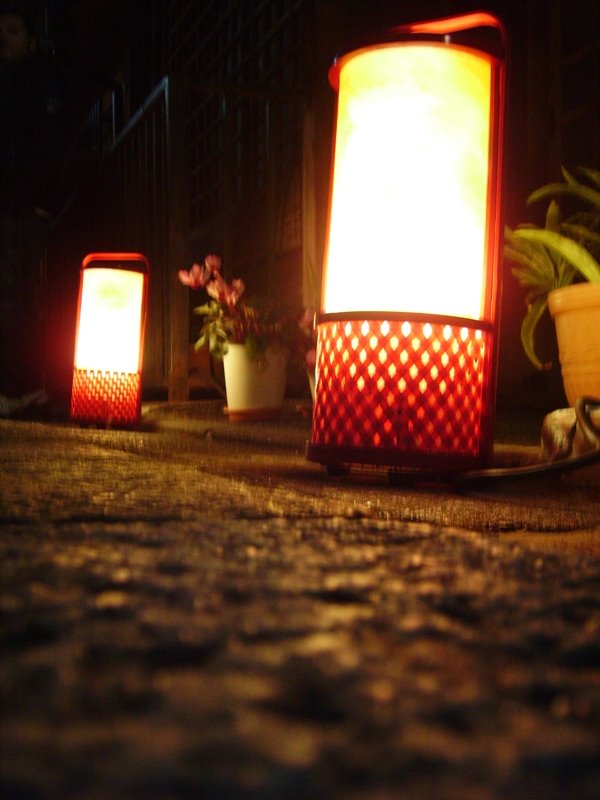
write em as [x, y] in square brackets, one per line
[177, 254]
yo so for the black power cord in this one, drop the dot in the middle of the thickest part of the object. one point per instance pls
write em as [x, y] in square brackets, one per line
[477, 478]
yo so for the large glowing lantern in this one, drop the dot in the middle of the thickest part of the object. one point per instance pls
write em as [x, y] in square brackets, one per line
[407, 330]
[107, 375]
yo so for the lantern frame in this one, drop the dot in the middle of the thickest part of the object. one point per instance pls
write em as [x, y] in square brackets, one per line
[411, 390]
[102, 395]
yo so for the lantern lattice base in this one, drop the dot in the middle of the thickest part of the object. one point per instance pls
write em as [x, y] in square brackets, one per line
[106, 398]
[403, 393]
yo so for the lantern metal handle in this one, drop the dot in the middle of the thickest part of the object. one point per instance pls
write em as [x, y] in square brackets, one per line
[449, 25]
[444, 27]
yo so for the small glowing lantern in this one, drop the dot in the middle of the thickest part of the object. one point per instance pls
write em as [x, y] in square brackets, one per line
[107, 376]
[406, 333]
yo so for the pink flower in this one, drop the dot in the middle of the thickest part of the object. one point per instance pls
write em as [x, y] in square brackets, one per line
[223, 292]
[197, 276]
[213, 262]
[227, 317]
[236, 290]
[200, 274]
[215, 288]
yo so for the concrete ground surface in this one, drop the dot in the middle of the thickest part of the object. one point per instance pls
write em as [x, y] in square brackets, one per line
[193, 610]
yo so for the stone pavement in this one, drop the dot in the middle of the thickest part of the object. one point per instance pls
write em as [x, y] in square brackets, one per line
[193, 610]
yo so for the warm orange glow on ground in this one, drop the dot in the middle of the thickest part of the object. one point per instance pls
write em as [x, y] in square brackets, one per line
[108, 335]
[408, 209]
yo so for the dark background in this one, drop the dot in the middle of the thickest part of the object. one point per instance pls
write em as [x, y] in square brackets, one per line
[126, 46]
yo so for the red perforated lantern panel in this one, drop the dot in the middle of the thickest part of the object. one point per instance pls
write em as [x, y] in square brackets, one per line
[106, 398]
[403, 393]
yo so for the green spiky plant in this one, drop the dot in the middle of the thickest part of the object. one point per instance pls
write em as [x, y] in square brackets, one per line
[563, 252]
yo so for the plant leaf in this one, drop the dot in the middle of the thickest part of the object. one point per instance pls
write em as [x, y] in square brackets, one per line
[530, 321]
[553, 217]
[593, 175]
[581, 232]
[569, 179]
[571, 251]
[203, 310]
[536, 266]
[585, 193]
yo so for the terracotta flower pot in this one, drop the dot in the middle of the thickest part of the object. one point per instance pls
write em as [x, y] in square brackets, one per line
[576, 312]
[255, 386]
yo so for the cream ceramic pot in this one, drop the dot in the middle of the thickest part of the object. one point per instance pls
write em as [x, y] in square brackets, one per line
[576, 313]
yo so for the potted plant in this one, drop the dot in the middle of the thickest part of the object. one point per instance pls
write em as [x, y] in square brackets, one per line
[247, 337]
[559, 265]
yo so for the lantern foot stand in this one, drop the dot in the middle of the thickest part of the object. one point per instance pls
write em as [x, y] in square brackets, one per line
[401, 467]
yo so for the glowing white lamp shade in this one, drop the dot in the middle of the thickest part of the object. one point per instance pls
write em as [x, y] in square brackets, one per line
[408, 209]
